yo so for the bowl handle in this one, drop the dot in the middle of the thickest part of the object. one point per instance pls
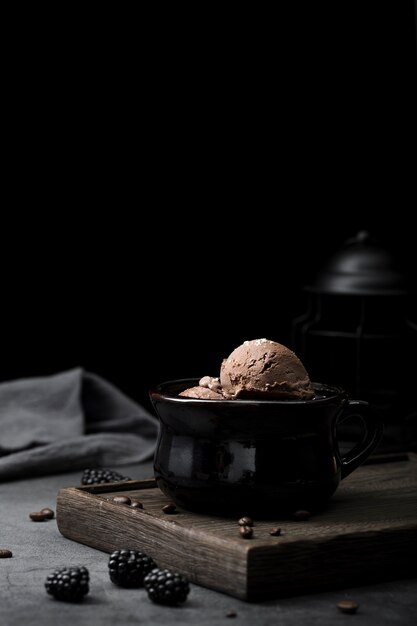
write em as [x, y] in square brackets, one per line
[372, 434]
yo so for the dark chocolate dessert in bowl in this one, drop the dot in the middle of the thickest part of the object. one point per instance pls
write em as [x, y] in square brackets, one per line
[260, 440]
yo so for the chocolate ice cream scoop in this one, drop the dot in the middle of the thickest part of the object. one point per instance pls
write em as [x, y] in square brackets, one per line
[203, 393]
[208, 388]
[264, 369]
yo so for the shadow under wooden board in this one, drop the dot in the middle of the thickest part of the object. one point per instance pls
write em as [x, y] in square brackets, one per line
[367, 534]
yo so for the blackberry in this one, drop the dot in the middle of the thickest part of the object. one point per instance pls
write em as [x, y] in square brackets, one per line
[68, 583]
[166, 587]
[128, 568]
[98, 475]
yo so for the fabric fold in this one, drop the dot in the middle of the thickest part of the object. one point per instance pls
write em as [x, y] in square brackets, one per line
[71, 420]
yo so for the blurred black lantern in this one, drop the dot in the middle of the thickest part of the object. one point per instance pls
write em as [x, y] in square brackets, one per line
[357, 333]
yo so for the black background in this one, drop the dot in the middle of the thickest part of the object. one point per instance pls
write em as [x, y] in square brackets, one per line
[170, 192]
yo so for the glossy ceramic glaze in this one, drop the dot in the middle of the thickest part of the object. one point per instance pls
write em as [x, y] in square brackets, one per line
[237, 456]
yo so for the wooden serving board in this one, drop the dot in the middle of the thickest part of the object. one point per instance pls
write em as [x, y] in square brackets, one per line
[367, 534]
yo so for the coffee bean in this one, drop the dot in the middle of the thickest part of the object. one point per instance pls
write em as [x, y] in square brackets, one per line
[136, 504]
[301, 515]
[169, 508]
[246, 532]
[231, 613]
[37, 516]
[122, 499]
[275, 532]
[347, 606]
[245, 521]
[48, 513]
[5, 554]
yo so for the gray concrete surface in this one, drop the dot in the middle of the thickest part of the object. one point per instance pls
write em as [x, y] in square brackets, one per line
[39, 547]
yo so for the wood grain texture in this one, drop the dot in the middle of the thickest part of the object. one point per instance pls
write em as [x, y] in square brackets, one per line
[367, 534]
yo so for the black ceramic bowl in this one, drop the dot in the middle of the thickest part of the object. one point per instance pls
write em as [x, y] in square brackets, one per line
[255, 456]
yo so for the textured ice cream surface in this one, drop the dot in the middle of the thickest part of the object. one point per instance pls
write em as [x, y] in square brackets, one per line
[203, 393]
[211, 382]
[262, 368]
[208, 388]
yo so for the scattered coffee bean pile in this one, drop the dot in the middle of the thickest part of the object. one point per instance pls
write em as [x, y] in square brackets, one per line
[42, 515]
[168, 509]
[245, 527]
[131, 502]
[246, 524]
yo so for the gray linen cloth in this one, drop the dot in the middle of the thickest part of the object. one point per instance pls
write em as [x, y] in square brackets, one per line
[68, 421]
